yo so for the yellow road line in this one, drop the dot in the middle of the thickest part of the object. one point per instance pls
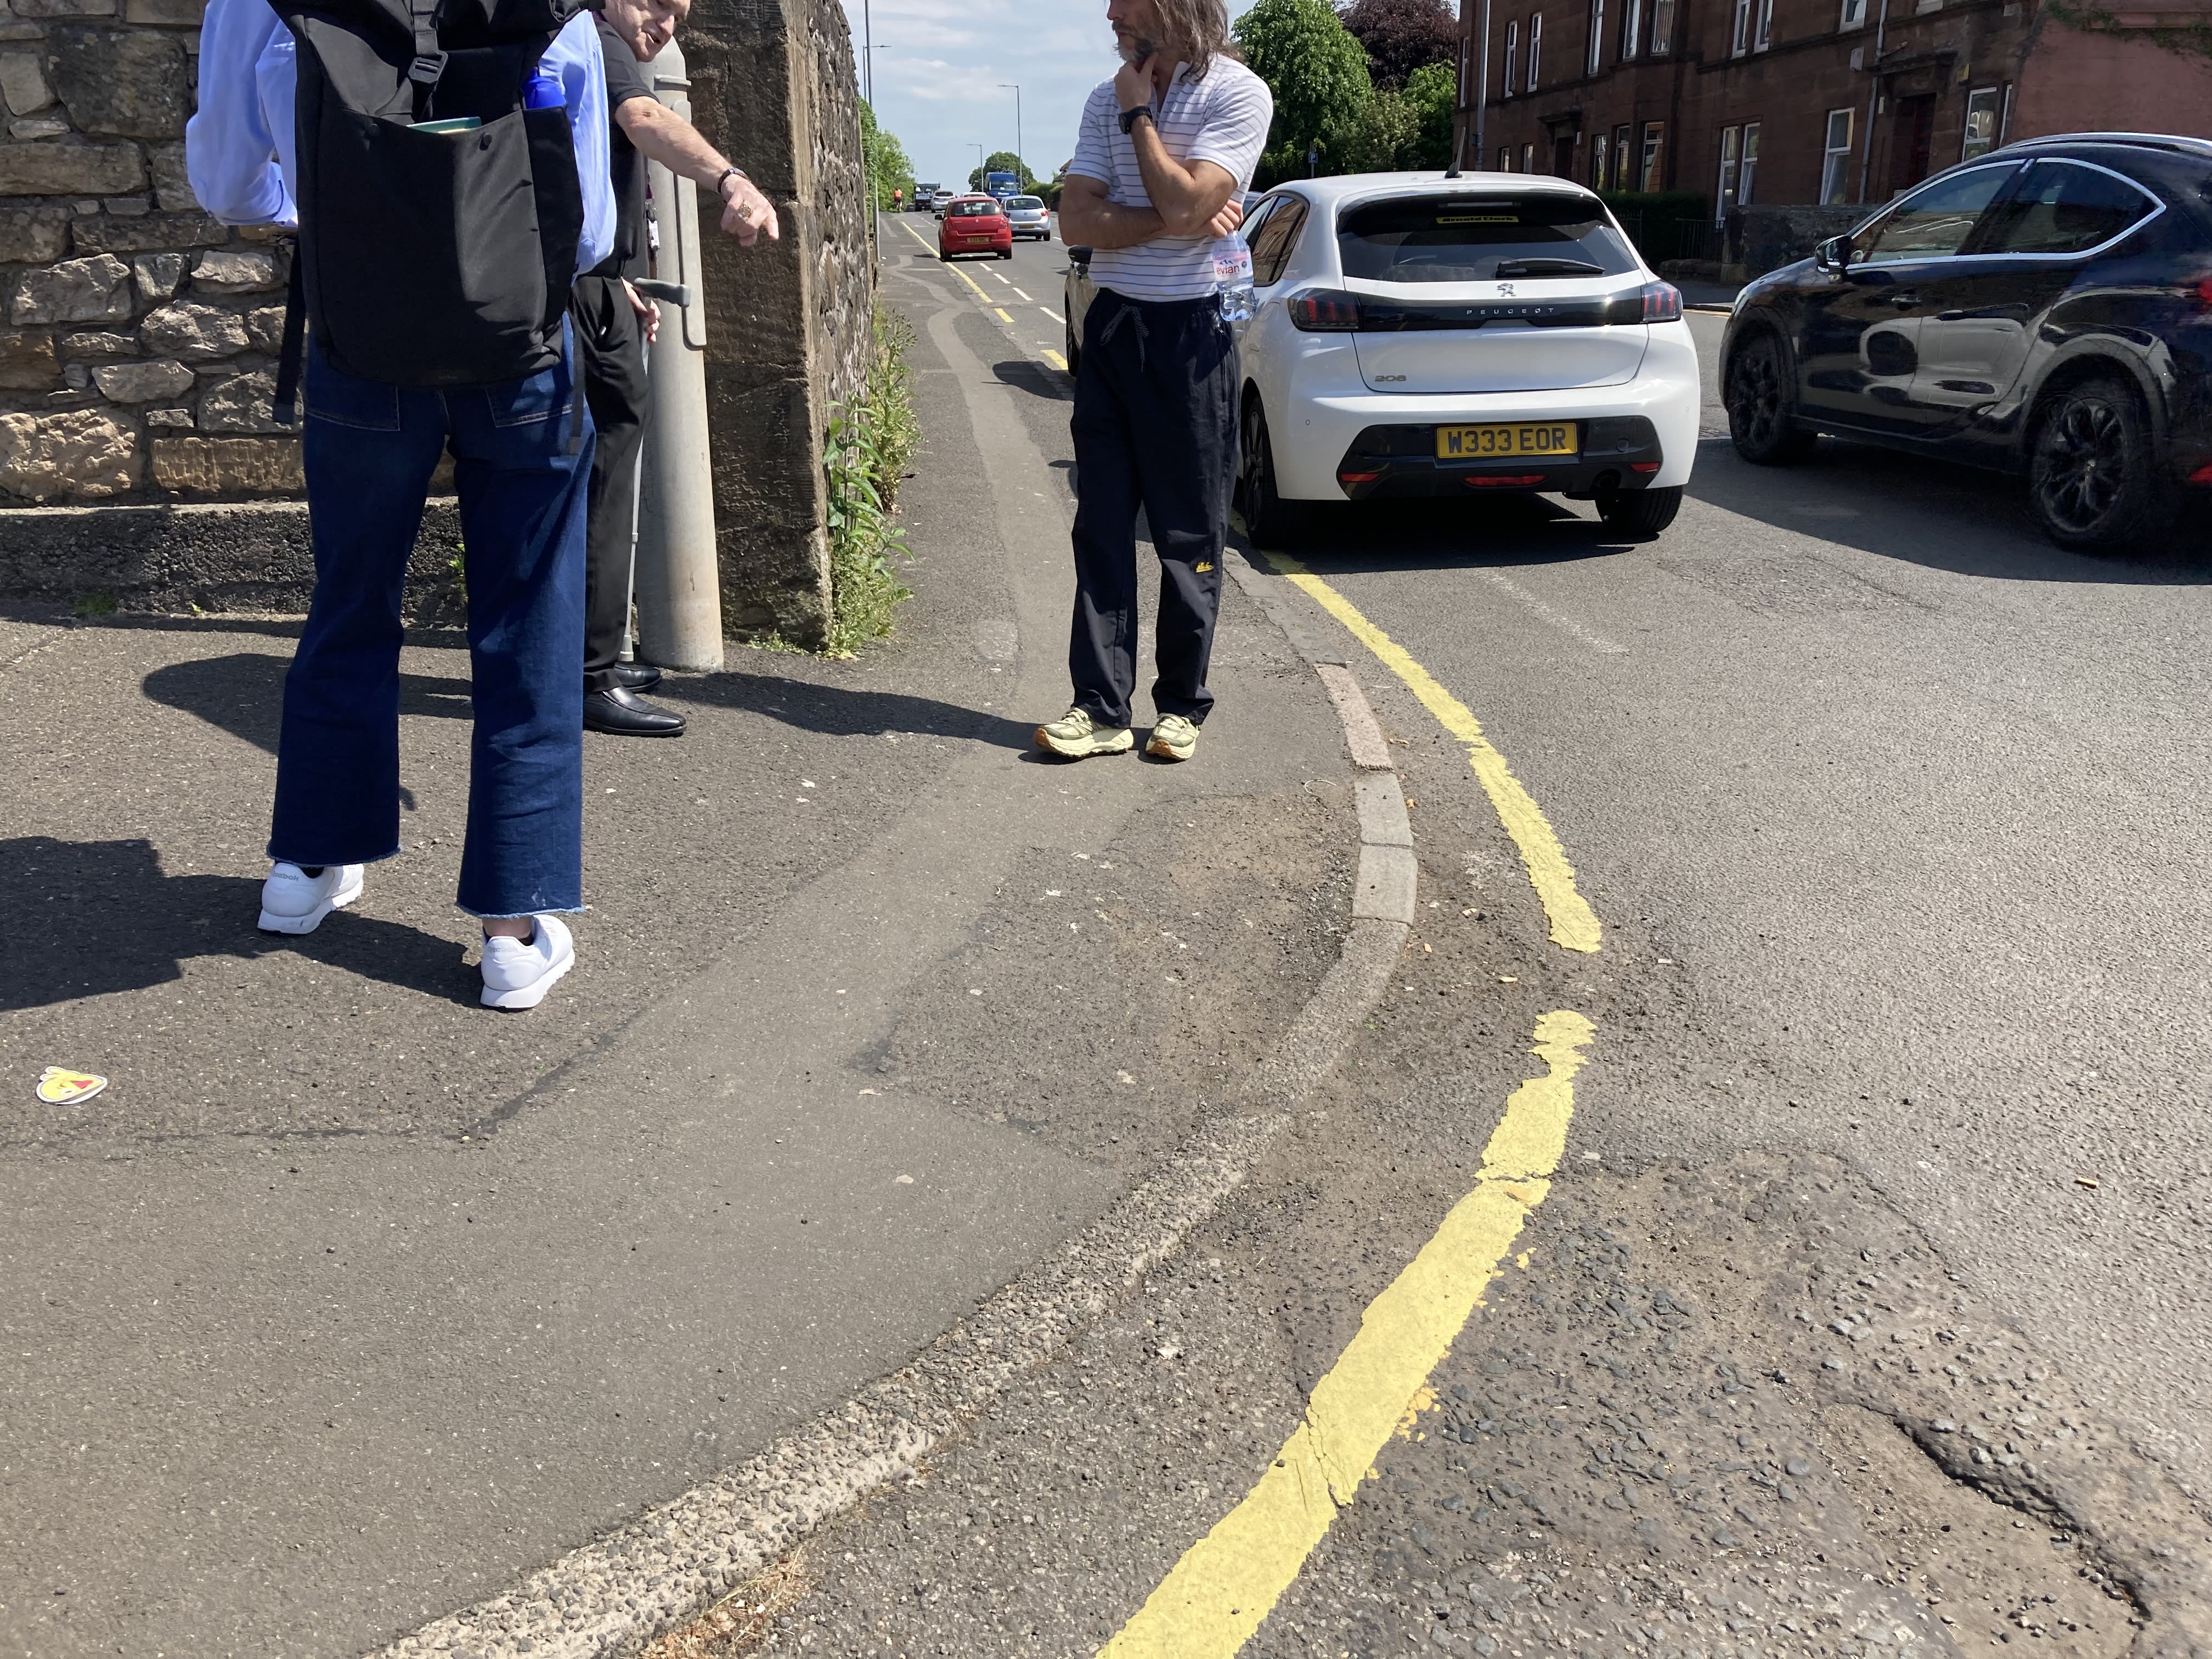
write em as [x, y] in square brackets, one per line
[1215, 1598]
[920, 238]
[1055, 360]
[1574, 924]
[1003, 317]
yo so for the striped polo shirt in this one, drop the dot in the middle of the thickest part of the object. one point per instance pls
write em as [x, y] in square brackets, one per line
[1221, 118]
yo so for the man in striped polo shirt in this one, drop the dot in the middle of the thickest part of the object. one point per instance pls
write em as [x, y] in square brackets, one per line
[1167, 150]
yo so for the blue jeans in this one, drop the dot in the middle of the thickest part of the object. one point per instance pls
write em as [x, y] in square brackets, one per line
[369, 450]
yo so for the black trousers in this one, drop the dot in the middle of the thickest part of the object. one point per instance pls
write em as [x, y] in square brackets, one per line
[1155, 427]
[612, 347]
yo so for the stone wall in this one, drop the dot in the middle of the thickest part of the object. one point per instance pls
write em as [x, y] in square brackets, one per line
[136, 361]
[789, 326]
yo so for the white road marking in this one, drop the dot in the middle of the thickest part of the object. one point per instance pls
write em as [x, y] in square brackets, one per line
[1001, 279]
[1567, 625]
[1050, 312]
[1025, 296]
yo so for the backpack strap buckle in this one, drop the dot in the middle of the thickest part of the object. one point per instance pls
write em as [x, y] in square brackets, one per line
[427, 67]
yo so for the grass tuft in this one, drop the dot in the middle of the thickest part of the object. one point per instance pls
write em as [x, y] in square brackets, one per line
[869, 447]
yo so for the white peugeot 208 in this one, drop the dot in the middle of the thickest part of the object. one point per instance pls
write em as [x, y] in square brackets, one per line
[1418, 335]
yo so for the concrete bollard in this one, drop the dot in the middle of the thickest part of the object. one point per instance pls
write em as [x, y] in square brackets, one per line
[678, 581]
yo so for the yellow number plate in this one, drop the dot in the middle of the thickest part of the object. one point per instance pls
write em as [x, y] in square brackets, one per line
[1475, 443]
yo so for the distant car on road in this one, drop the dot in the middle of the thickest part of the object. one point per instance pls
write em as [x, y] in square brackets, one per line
[924, 197]
[2045, 309]
[1027, 215]
[976, 224]
[943, 199]
[1420, 336]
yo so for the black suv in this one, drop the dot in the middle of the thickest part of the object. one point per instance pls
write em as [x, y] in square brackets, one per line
[2045, 308]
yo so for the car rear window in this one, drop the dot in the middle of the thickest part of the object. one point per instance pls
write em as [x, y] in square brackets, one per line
[974, 210]
[1026, 202]
[1478, 238]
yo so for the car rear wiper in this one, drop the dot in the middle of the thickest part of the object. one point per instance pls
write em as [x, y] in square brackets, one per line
[1548, 267]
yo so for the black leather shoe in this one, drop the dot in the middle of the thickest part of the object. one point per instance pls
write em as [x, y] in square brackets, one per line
[636, 676]
[622, 713]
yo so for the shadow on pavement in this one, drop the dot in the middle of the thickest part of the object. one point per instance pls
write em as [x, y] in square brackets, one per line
[244, 694]
[82, 919]
[1477, 533]
[838, 712]
[1024, 375]
[1927, 511]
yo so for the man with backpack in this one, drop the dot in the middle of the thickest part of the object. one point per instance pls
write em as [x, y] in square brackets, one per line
[427, 328]
[614, 325]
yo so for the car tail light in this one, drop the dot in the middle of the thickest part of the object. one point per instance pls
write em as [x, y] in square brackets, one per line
[1325, 311]
[1644, 466]
[1654, 302]
[1358, 478]
[1491, 481]
[2204, 294]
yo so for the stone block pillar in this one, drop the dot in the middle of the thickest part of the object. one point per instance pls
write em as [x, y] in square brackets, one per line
[789, 326]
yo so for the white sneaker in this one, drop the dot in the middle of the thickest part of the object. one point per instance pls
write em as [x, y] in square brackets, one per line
[518, 973]
[294, 902]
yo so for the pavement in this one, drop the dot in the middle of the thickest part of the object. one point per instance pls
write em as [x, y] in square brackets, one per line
[350, 1301]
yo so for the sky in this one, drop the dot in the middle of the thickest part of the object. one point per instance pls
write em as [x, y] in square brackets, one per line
[939, 66]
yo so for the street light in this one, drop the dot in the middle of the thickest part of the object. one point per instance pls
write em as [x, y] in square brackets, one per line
[1008, 86]
[978, 164]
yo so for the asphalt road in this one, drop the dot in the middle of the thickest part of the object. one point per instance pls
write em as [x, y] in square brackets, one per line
[1865, 1313]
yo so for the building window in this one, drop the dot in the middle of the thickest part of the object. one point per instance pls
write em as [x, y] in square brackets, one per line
[1981, 123]
[1631, 23]
[1620, 174]
[1505, 158]
[1854, 15]
[1740, 37]
[1763, 35]
[1662, 27]
[1527, 158]
[1731, 156]
[1597, 162]
[1512, 56]
[1596, 36]
[1536, 45]
[1647, 175]
[1748, 175]
[1836, 162]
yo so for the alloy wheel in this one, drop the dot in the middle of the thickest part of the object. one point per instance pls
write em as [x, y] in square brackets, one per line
[2083, 452]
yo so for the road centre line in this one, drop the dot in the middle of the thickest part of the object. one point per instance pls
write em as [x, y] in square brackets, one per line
[1574, 924]
[994, 274]
[1050, 312]
[1025, 296]
[1216, 1597]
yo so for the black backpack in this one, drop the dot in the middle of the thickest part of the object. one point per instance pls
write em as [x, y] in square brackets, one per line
[429, 259]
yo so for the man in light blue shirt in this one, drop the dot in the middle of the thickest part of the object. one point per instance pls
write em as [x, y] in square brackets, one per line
[369, 448]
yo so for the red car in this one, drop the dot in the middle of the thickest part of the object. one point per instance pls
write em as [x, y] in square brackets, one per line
[975, 224]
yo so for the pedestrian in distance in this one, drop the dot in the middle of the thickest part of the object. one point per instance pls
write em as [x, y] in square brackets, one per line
[614, 325]
[1166, 151]
[417, 332]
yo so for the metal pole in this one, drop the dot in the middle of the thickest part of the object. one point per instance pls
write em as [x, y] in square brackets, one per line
[1459, 102]
[1008, 86]
[1482, 94]
[1874, 90]
[868, 41]
[677, 570]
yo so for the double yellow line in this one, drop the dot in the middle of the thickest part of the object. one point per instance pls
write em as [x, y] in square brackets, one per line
[1050, 355]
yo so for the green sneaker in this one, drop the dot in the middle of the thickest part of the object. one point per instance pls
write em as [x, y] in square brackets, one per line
[1075, 734]
[1172, 739]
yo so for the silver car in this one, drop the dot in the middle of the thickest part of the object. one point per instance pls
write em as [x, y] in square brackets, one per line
[1027, 215]
[939, 201]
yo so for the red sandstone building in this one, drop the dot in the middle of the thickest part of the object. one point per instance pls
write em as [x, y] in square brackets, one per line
[1811, 101]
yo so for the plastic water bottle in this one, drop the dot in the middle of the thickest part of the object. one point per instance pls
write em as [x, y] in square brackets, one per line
[1232, 277]
[542, 90]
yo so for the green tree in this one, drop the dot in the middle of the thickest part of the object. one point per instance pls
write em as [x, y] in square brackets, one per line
[1433, 94]
[1319, 78]
[1383, 137]
[1003, 160]
[887, 166]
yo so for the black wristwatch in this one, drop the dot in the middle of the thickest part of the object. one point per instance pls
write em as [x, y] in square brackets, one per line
[725, 175]
[1131, 117]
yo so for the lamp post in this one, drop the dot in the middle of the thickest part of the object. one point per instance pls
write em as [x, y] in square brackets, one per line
[1008, 86]
[979, 163]
[868, 57]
